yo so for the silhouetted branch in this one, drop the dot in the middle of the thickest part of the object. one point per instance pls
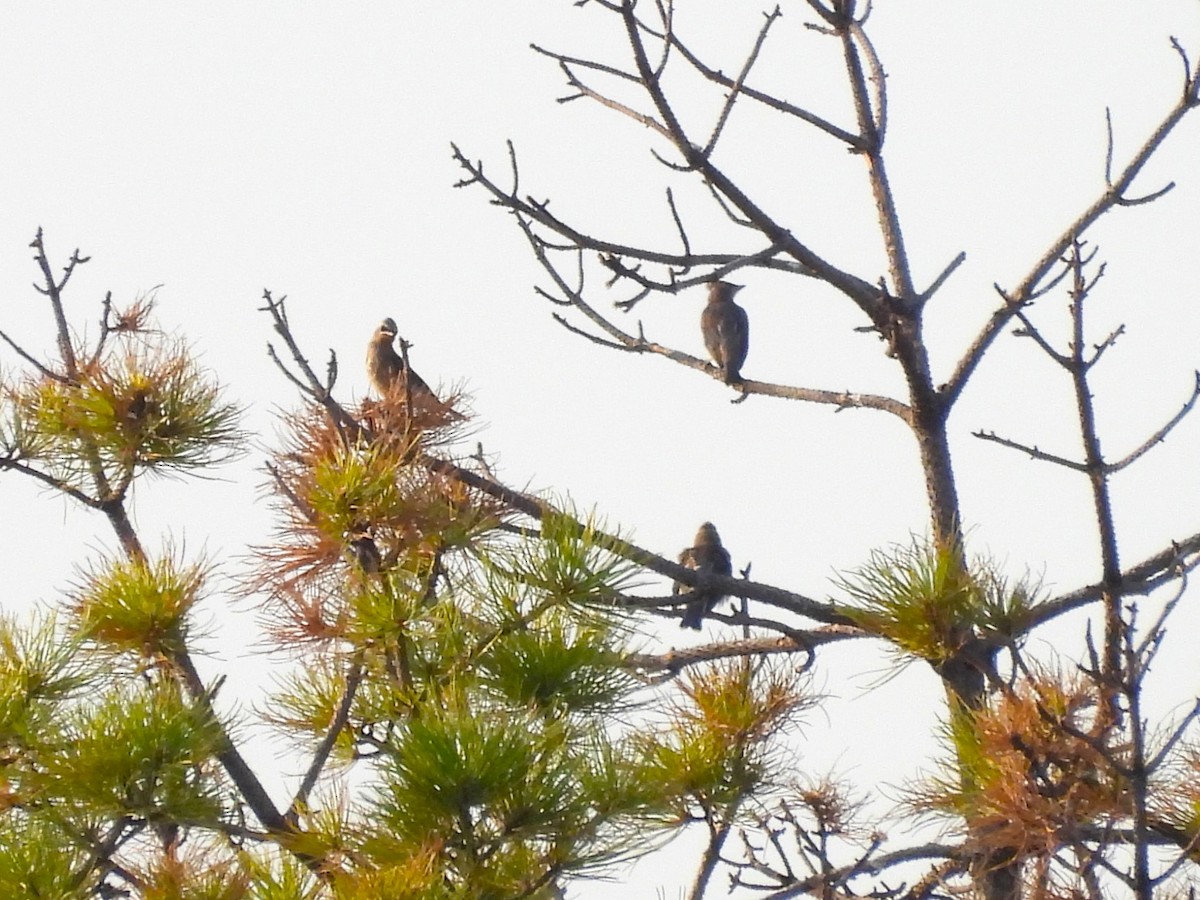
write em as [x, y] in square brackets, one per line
[1159, 436]
[1112, 196]
[937, 283]
[1032, 451]
[736, 89]
[321, 756]
[45, 372]
[675, 661]
[1181, 557]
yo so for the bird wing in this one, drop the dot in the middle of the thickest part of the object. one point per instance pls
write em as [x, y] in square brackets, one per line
[735, 329]
[417, 384]
[710, 328]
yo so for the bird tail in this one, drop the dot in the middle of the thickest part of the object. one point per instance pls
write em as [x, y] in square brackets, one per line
[693, 616]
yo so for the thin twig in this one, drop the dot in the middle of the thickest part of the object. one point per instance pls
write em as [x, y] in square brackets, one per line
[321, 756]
[1159, 436]
[1111, 197]
[1166, 565]
[1032, 451]
[736, 88]
[47, 373]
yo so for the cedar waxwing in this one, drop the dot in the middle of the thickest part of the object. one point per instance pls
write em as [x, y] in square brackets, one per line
[386, 367]
[706, 555]
[366, 553]
[726, 330]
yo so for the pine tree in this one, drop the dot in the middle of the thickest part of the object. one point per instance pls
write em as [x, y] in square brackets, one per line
[470, 703]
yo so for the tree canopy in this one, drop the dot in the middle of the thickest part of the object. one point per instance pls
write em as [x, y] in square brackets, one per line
[478, 700]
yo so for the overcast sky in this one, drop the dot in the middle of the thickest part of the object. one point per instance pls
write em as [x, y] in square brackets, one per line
[222, 148]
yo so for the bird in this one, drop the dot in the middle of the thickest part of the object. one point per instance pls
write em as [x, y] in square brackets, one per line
[366, 552]
[726, 330]
[708, 557]
[386, 367]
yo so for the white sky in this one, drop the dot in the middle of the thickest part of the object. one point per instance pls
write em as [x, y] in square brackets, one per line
[221, 148]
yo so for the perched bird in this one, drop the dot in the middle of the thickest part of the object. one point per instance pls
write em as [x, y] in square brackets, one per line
[726, 330]
[366, 553]
[386, 367]
[707, 556]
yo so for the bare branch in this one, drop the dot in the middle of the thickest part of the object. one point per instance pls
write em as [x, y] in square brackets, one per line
[682, 232]
[1103, 346]
[287, 373]
[762, 259]
[1166, 565]
[1146, 198]
[622, 340]
[1112, 196]
[53, 290]
[937, 283]
[1177, 734]
[594, 338]
[674, 661]
[860, 291]
[47, 373]
[1032, 451]
[1031, 331]
[875, 866]
[666, 15]
[1191, 79]
[775, 103]
[321, 756]
[310, 385]
[735, 91]
[539, 212]
[615, 105]
[51, 482]
[1109, 144]
[1159, 436]
[877, 79]
[564, 61]
[872, 150]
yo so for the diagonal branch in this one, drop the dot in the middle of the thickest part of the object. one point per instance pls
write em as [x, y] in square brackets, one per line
[1033, 451]
[1159, 436]
[242, 775]
[736, 89]
[863, 293]
[538, 509]
[341, 715]
[310, 385]
[720, 78]
[937, 283]
[1112, 196]
[610, 103]
[622, 340]
[870, 109]
[539, 212]
[1150, 574]
[51, 482]
[46, 372]
[1031, 331]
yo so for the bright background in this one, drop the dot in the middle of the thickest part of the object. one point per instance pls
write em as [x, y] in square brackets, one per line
[218, 149]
